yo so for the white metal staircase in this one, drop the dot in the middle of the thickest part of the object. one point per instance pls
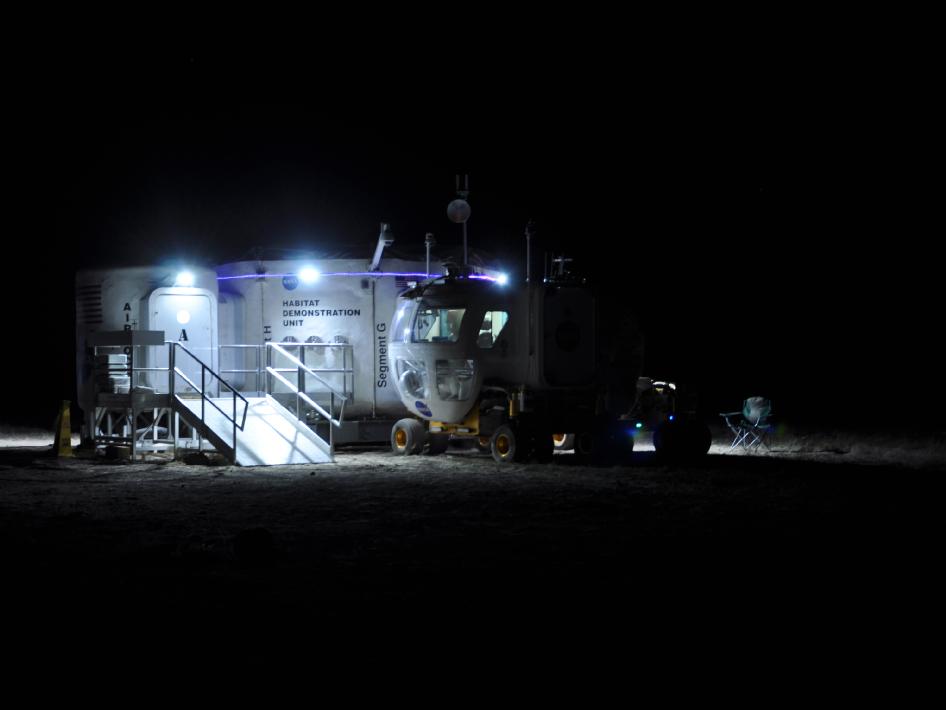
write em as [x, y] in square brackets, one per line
[271, 434]
[256, 431]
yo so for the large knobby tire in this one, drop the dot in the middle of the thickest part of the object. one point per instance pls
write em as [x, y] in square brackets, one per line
[682, 440]
[408, 437]
[508, 446]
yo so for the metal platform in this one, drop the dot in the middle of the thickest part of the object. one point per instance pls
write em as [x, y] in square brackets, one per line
[182, 389]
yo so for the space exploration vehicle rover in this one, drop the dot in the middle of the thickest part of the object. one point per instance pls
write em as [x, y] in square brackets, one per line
[525, 368]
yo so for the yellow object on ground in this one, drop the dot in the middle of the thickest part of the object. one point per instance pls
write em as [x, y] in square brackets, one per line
[62, 444]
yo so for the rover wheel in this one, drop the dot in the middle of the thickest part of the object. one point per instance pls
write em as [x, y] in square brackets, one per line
[408, 437]
[506, 445]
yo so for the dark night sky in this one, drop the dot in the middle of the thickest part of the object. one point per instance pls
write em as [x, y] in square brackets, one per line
[767, 222]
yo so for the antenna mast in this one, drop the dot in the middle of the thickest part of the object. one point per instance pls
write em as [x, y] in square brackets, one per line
[530, 227]
[459, 210]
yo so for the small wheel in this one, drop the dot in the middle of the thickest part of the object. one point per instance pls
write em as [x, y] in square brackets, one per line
[437, 444]
[408, 437]
[505, 445]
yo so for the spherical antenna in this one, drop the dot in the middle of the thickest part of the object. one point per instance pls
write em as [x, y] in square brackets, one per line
[458, 211]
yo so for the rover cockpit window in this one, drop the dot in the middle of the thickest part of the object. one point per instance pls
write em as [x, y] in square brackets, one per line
[437, 325]
[493, 324]
[402, 320]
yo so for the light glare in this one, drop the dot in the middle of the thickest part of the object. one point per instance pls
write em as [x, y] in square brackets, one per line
[184, 278]
[308, 275]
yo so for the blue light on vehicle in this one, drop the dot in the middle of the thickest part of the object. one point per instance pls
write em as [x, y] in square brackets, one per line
[671, 417]
[639, 425]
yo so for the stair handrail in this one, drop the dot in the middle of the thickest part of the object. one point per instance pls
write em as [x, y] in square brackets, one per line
[346, 371]
[300, 392]
[257, 371]
[173, 370]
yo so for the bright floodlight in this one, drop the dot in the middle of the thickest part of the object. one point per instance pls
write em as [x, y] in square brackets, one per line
[184, 278]
[502, 279]
[308, 275]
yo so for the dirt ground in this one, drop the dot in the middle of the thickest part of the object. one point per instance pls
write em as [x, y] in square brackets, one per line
[767, 546]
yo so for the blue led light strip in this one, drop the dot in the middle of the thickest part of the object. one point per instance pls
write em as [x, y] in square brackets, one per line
[481, 277]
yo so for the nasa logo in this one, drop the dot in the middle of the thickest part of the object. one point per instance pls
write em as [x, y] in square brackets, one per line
[290, 282]
[422, 409]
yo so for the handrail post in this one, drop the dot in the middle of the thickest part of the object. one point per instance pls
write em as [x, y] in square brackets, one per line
[300, 385]
[269, 364]
[234, 426]
[203, 387]
[171, 368]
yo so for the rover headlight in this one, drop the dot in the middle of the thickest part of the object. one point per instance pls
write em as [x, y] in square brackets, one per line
[412, 378]
[455, 379]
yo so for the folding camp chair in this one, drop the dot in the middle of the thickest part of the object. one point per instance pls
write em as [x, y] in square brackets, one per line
[751, 426]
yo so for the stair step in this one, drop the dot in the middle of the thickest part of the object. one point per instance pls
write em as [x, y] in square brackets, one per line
[271, 436]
